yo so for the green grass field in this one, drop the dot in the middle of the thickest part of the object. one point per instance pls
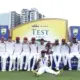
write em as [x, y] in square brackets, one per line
[24, 75]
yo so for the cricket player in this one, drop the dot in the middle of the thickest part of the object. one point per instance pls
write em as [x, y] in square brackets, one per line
[25, 53]
[43, 65]
[49, 51]
[17, 53]
[64, 51]
[9, 50]
[74, 51]
[57, 53]
[2, 54]
[33, 53]
[41, 46]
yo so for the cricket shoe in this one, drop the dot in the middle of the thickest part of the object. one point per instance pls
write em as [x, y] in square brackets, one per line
[59, 72]
[35, 72]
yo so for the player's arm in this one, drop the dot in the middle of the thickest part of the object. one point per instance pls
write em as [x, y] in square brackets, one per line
[37, 48]
[69, 47]
[21, 48]
[30, 46]
[5, 46]
[53, 47]
[71, 44]
[78, 47]
[13, 47]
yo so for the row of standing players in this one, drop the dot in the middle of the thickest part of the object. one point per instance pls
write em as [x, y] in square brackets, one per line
[33, 50]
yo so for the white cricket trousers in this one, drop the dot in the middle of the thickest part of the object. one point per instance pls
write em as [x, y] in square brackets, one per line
[65, 58]
[57, 61]
[16, 55]
[24, 54]
[71, 55]
[43, 69]
[8, 54]
[3, 61]
[34, 56]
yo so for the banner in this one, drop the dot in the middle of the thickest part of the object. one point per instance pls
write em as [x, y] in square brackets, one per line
[49, 29]
[4, 32]
[75, 32]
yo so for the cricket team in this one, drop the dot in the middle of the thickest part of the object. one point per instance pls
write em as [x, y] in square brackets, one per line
[43, 53]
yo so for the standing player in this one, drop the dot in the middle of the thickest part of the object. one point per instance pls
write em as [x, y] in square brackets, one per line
[2, 53]
[56, 53]
[64, 51]
[25, 52]
[33, 53]
[9, 50]
[41, 46]
[49, 52]
[74, 51]
[17, 53]
[43, 65]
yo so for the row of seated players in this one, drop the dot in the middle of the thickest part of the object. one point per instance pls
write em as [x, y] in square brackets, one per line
[33, 50]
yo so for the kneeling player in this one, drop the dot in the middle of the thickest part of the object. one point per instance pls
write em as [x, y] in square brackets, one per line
[43, 65]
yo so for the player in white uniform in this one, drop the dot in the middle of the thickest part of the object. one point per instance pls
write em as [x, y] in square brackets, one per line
[41, 46]
[25, 53]
[74, 51]
[17, 53]
[9, 50]
[64, 51]
[49, 51]
[43, 65]
[33, 53]
[2, 53]
[56, 53]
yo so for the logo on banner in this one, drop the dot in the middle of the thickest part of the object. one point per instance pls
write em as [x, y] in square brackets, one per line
[3, 31]
[75, 31]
